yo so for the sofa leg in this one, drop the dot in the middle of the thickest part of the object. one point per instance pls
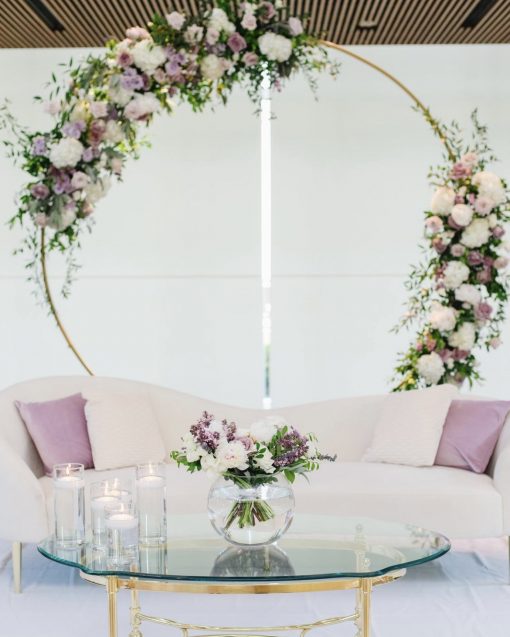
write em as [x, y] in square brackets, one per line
[16, 565]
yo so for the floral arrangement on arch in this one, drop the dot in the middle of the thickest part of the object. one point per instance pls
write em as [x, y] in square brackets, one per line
[97, 115]
[459, 292]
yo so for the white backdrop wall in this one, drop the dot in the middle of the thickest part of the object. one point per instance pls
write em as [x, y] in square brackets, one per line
[169, 291]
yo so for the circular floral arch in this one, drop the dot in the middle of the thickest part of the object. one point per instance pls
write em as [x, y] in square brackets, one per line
[457, 293]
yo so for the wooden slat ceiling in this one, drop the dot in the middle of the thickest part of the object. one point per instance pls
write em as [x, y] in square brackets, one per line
[90, 23]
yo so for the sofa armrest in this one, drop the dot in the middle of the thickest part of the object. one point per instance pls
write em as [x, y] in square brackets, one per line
[499, 469]
[22, 500]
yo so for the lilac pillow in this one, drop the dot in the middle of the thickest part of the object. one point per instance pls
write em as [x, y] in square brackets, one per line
[59, 430]
[470, 433]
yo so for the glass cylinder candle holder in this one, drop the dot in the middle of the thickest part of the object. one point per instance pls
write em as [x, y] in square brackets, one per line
[103, 494]
[121, 524]
[69, 503]
[151, 502]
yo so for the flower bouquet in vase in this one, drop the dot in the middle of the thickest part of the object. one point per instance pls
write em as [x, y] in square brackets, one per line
[252, 501]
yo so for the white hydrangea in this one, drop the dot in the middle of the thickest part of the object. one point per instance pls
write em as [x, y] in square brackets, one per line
[442, 201]
[232, 455]
[265, 462]
[212, 67]
[455, 274]
[476, 234]
[147, 56]
[219, 20]
[430, 367]
[464, 337]
[66, 153]
[442, 318]
[97, 190]
[113, 132]
[489, 185]
[275, 47]
[191, 449]
[468, 294]
[175, 20]
[462, 214]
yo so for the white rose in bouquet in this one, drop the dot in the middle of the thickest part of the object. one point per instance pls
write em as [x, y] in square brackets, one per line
[66, 153]
[442, 318]
[468, 294]
[442, 201]
[462, 214]
[464, 337]
[430, 368]
[147, 56]
[212, 67]
[455, 274]
[476, 234]
[489, 185]
[113, 132]
[232, 455]
[275, 47]
[220, 22]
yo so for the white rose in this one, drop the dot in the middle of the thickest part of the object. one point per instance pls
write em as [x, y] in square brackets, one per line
[476, 234]
[175, 20]
[442, 318]
[464, 337]
[489, 185]
[462, 214]
[264, 430]
[113, 132]
[265, 462]
[430, 367]
[212, 67]
[275, 47]
[211, 465]
[97, 190]
[66, 153]
[455, 274]
[232, 455]
[442, 201]
[141, 106]
[219, 20]
[147, 56]
[493, 220]
[468, 294]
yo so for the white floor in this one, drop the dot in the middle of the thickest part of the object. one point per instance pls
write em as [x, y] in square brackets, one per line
[465, 594]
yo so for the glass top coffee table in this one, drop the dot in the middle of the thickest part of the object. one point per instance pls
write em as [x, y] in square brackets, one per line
[318, 553]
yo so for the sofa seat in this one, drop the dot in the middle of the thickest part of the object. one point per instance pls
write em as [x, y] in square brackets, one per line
[439, 498]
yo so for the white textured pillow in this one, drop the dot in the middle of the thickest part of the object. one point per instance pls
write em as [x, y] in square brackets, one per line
[123, 430]
[410, 426]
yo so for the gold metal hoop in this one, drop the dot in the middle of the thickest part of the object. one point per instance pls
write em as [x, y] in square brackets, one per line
[337, 47]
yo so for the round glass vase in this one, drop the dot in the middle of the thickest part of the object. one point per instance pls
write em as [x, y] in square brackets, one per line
[251, 510]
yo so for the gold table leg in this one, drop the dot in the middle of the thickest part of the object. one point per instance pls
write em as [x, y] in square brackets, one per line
[365, 595]
[135, 614]
[112, 586]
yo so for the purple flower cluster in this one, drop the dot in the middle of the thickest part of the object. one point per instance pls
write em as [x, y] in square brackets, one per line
[209, 438]
[294, 445]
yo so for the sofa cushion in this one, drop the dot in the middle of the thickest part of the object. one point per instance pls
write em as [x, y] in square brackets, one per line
[59, 430]
[410, 426]
[471, 433]
[123, 429]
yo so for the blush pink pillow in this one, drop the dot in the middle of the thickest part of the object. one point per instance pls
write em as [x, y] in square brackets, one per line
[470, 433]
[59, 430]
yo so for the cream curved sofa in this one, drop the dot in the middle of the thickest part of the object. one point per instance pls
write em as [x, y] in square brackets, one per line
[458, 503]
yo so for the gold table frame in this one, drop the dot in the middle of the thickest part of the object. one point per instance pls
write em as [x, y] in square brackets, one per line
[360, 617]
